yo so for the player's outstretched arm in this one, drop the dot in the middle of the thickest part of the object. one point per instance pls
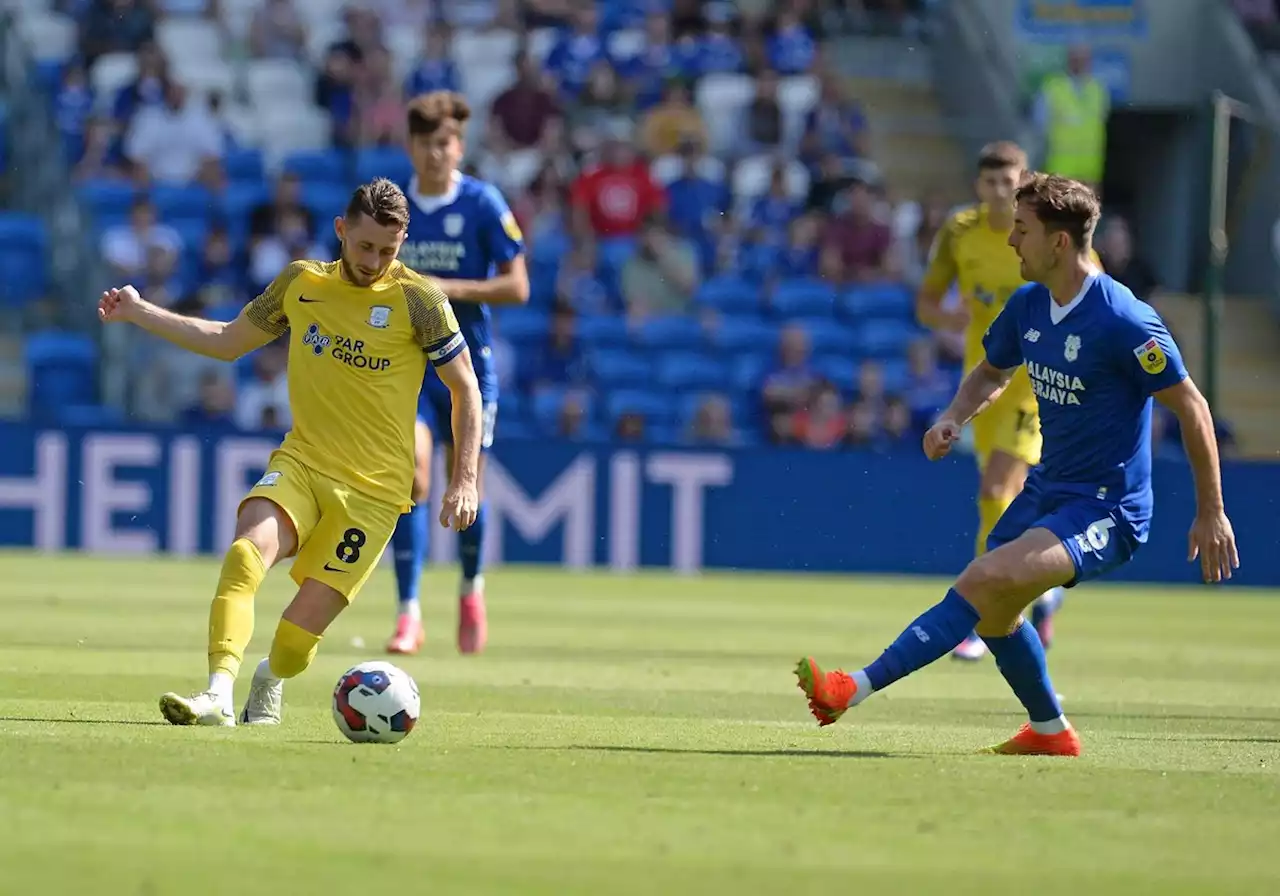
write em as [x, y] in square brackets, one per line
[982, 386]
[461, 499]
[938, 277]
[214, 339]
[1211, 538]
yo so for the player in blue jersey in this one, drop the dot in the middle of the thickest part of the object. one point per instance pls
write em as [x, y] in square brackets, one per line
[1096, 356]
[461, 233]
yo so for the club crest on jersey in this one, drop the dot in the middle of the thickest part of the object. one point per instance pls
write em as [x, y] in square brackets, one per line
[1071, 350]
[1151, 356]
[379, 316]
[453, 225]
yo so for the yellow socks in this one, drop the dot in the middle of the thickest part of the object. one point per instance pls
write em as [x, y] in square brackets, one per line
[231, 615]
[989, 512]
[292, 650]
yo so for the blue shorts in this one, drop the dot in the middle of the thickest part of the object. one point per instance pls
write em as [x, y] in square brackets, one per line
[1094, 532]
[435, 408]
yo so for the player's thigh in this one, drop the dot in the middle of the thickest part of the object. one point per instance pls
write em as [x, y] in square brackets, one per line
[346, 544]
[281, 509]
[1095, 535]
[1002, 582]
[423, 445]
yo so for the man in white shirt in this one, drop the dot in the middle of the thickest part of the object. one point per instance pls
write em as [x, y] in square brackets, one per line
[173, 141]
[126, 247]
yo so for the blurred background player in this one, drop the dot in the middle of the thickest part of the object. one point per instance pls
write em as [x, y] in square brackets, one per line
[334, 490]
[462, 233]
[972, 251]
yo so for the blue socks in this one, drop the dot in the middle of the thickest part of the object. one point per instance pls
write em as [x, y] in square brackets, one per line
[471, 549]
[409, 545]
[1020, 657]
[932, 636]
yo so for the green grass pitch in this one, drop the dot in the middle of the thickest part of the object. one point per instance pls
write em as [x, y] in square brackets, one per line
[633, 735]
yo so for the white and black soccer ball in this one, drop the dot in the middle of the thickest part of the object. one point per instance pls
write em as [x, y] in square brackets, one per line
[376, 703]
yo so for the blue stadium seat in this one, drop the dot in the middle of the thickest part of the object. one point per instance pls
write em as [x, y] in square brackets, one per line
[744, 333]
[803, 298]
[244, 166]
[842, 372]
[730, 294]
[884, 338]
[681, 371]
[655, 408]
[61, 370]
[24, 275]
[663, 333]
[897, 375]
[326, 200]
[522, 324]
[748, 371]
[877, 300]
[545, 408]
[175, 202]
[603, 330]
[385, 161]
[318, 166]
[88, 416]
[107, 198]
[193, 232]
[620, 368]
[828, 336]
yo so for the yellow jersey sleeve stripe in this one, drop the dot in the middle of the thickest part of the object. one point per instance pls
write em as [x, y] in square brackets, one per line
[266, 312]
[432, 317]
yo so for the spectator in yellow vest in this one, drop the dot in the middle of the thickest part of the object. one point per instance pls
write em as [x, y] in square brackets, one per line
[1072, 111]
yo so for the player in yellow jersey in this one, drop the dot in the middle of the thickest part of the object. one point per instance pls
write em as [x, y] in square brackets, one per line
[972, 252]
[361, 331]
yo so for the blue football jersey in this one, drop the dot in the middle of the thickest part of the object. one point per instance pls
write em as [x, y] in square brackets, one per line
[1094, 364]
[463, 235]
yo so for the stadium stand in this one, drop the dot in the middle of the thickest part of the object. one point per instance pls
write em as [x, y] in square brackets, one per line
[752, 263]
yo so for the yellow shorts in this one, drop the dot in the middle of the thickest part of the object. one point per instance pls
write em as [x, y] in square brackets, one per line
[1010, 427]
[341, 532]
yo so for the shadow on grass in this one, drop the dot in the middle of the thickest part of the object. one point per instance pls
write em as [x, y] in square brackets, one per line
[1204, 739]
[74, 721]
[684, 751]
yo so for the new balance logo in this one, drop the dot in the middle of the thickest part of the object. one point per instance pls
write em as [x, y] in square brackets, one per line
[920, 633]
[1031, 335]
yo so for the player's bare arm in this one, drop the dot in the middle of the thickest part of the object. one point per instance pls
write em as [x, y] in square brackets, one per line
[213, 339]
[979, 389]
[461, 499]
[509, 287]
[938, 279]
[1211, 537]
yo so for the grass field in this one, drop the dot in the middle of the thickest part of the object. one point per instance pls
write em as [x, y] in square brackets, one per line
[633, 735]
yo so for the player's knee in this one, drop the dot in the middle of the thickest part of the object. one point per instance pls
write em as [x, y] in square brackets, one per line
[1001, 490]
[292, 650]
[268, 528]
[985, 582]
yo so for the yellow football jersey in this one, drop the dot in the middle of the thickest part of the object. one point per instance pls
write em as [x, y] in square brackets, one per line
[357, 356]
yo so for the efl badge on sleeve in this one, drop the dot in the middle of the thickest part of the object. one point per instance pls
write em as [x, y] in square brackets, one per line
[1151, 356]
[512, 228]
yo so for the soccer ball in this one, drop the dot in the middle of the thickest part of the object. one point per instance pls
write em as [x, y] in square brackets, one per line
[376, 703]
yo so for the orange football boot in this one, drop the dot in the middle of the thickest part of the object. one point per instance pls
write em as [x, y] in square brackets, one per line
[1028, 743]
[829, 693]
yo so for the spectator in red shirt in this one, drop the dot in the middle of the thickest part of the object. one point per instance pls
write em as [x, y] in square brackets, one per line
[860, 243]
[613, 198]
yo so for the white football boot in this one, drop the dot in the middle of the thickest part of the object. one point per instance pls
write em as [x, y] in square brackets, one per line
[266, 699]
[198, 709]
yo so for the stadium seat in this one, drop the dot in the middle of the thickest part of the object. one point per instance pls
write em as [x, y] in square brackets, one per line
[61, 370]
[175, 202]
[729, 294]
[390, 162]
[322, 166]
[286, 129]
[797, 95]
[243, 164]
[326, 201]
[877, 300]
[111, 72]
[546, 405]
[803, 298]
[897, 375]
[522, 324]
[655, 408]
[206, 76]
[606, 330]
[827, 336]
[189, 41]
[619, 368]
[89, 416]
[472, 49]
[49, 35]
[743, 333]
[840, 371]
[107, 199]
[665, 333]
[747, 372]
[681, 371]
[540, 43]
[752, 177]
[277, 84]
[24, 275]
[722, 98]
[883, 339]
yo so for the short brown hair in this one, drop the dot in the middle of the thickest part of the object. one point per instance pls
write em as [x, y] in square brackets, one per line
[1000, 155]
[382, 201]
[1063, 205]
[428, 112]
